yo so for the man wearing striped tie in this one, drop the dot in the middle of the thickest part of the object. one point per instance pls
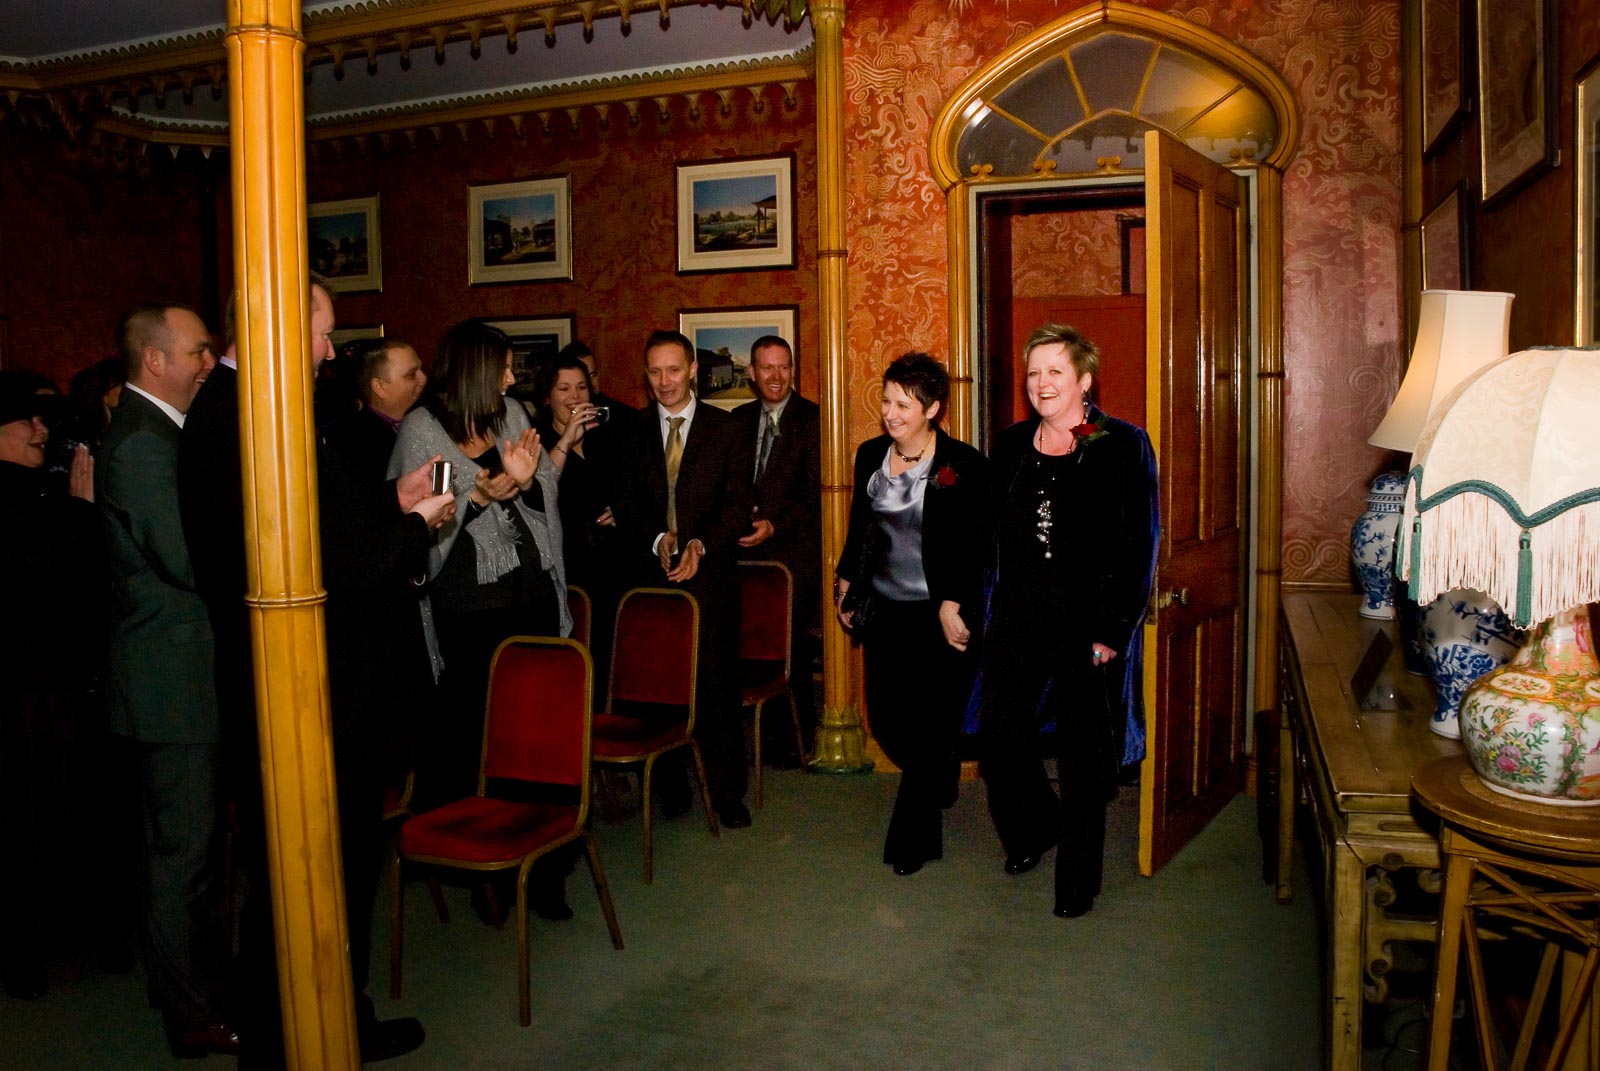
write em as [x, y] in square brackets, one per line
[682, 503]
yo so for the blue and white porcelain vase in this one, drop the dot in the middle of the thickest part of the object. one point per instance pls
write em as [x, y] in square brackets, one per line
[1372, 545]
[1465, 635]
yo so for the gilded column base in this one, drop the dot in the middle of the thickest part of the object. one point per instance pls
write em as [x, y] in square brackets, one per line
[840, 744]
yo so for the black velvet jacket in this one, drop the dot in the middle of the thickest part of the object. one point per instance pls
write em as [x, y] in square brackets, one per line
[952, 522]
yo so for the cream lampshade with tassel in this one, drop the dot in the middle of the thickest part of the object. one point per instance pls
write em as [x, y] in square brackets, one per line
[1504, 497]
[1462, 634]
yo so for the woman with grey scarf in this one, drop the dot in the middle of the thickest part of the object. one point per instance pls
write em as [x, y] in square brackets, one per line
[495, 570]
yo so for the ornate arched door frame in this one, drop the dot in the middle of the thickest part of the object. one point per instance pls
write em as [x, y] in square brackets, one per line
[970, 101]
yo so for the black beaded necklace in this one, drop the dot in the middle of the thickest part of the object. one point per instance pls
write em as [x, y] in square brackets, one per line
[1044, 519]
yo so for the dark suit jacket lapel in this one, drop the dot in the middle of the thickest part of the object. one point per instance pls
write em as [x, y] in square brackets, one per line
[149, 415]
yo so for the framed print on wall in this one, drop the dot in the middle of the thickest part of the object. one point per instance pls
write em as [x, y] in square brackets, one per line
[354, 333]
[1446, 251]
[535, 342]
[346, 248]
[519, 231]
[722, 339]
[1516, 93]
[1586, 318]
[736, 215]
[1442, 92]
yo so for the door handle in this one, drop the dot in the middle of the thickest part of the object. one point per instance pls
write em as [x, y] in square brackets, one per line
[1170, 597]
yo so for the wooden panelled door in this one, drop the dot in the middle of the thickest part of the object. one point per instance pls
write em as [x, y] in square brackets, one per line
[1196, 246]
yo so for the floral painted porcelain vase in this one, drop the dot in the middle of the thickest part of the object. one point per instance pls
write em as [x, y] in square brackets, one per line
[1465, 634]
[1372, 545]
[1532, 728]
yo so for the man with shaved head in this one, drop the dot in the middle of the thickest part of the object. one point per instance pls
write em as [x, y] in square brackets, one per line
[159, 691]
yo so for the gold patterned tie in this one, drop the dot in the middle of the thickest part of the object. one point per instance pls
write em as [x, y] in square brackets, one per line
[674, 459]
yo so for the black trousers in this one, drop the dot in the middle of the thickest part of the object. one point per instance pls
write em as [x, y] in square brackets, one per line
[1031, 675]
[916, 688]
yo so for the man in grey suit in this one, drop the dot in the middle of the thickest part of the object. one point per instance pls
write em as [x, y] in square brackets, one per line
[159, 689]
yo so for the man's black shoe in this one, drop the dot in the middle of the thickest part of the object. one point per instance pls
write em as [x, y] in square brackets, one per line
[1021, 864]
[384, 1039]
[734, 815]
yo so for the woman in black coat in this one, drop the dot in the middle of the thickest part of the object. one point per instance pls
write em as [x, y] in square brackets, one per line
[1073, 508]
[909, 585]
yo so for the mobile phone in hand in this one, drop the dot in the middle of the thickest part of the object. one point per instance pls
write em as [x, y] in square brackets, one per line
[441, 477]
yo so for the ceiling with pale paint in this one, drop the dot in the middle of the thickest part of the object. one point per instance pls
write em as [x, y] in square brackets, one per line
[397, 57]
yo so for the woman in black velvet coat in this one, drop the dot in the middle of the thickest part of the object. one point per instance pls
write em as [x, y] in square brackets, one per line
[1074, 512]
[909, 586]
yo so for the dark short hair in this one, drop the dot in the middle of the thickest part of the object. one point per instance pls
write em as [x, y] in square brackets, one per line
[574, 348]
[545, 376]
[464, 391]
[372, 360]
[144, 326]
[770, 340]
[923, 377]
[1084, 355]
[669, 338]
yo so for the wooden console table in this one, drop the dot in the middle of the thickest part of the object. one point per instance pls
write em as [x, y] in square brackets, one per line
[1352, 768]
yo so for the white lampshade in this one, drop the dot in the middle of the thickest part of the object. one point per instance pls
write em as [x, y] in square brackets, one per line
[1458, 332]
[1504, 491]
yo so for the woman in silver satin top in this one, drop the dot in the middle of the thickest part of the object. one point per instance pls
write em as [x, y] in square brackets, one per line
[908, 588]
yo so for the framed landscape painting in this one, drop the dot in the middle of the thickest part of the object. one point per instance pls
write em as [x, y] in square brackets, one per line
[534, 343]
[736, 215]
[345, 245]
[519, 231]
[722, 339]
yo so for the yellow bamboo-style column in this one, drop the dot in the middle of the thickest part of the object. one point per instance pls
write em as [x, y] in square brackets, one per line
[1270, 431]
[840, 741]
[267, 113]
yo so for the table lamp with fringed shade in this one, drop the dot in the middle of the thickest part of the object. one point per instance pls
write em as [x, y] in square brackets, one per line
[1458, 332]
[1504, 497]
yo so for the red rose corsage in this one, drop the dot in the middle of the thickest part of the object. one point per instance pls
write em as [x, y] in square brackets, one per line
[945, 477]
[1088, 431]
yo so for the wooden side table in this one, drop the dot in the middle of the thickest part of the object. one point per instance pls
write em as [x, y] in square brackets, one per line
[1535, 866]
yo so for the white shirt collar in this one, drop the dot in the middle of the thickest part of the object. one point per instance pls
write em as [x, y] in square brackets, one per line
[776, 410]
[687, 413]
[177, 417]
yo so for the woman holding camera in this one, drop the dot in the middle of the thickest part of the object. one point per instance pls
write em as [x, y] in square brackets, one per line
[566, 417]
[1074, 511]
[496, 569]
[909, 585]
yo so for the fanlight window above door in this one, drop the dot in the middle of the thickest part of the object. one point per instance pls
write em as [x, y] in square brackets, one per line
[1085, 107]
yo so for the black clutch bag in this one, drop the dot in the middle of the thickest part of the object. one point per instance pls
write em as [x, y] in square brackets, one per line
[861, 603]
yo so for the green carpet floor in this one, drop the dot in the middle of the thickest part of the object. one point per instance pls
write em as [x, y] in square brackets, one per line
[790, 946]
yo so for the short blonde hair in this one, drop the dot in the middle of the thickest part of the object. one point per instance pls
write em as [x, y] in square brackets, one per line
[1084, 355]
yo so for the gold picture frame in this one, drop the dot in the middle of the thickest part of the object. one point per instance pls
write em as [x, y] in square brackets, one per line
[1517, 114]
[520, 232]
[1446, 249]
[346, 246]
[1442, 69]
[1586, 313]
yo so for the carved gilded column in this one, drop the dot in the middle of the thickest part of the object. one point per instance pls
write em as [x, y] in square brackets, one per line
[266, 70]
[839, 737]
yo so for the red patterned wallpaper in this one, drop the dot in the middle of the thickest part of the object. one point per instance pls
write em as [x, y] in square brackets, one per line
[1058, 253]
[83, 244]
[624, 238]
[1342, 206]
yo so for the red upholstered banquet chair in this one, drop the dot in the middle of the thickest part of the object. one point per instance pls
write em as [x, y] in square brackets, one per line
[766, 596]
[537, 731]
[651, 712]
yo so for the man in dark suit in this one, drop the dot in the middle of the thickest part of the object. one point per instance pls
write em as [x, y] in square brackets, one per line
[784, 430]
[159, 691]
[682, 502]
[375, 536]
[391, 380]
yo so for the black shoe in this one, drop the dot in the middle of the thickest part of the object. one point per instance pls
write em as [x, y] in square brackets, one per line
[1071, 907]
[25, 979]
[909, 866]
[384, 1039]
[551, 903]
[734, 815]
[1021, 864]
[203, 1040]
